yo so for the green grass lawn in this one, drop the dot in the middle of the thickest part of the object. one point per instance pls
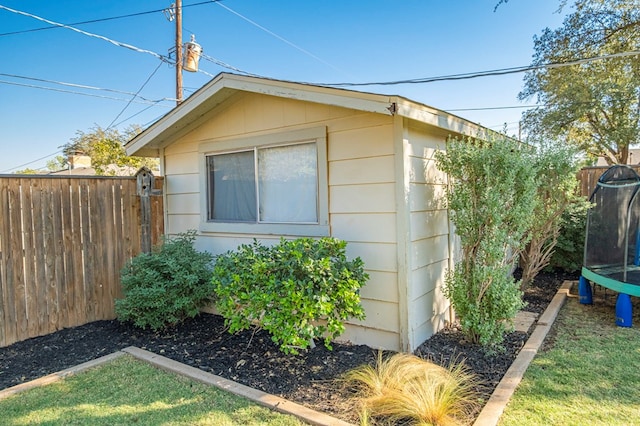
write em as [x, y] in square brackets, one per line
[589, 375]
[127, 391]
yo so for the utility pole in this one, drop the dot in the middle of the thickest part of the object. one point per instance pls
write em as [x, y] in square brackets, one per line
[178, 12]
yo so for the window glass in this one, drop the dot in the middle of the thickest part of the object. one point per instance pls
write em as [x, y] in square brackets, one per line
[288, 184]
[232, 187]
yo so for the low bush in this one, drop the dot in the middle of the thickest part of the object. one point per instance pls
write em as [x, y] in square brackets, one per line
[297, 290]
[166, 286]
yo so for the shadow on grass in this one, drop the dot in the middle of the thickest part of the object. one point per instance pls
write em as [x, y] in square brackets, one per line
[127, 391]
[588, 372]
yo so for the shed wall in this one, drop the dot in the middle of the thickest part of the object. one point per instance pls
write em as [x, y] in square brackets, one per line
[362, 208]
[429, 244]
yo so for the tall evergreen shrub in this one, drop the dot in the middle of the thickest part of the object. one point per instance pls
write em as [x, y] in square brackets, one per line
[491, 195]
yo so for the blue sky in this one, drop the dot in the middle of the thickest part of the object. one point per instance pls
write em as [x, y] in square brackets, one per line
[314, 41]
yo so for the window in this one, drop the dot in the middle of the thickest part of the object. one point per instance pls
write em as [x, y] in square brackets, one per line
[274, 184]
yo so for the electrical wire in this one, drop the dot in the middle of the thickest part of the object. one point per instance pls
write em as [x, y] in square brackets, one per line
[114, 42]
[163, 58]
[295, 46]
[111, 18]
[82, 86]
[225, 65]
[30, 162]
[53, 89]
[496, 72]
[135, 95]
[492, 108]
[134, 115]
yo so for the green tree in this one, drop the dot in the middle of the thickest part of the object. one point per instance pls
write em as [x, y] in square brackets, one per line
[556, 168]
[594, 105]
[27, 171]
[491, 195]
[106, 148]
[58, 163]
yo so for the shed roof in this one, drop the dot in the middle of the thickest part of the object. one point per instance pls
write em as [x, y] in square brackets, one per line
[192, 112]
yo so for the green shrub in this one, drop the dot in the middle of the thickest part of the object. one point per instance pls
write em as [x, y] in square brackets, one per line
[166, 286]
[491, 194]
[297, 290]
[569, 251]
[556, 169]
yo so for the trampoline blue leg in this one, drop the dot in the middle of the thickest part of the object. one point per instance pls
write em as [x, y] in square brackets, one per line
[584, 291]
[624, 311]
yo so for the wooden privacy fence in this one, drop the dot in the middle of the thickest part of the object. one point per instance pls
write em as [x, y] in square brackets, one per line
[588, 177]
[63, 242]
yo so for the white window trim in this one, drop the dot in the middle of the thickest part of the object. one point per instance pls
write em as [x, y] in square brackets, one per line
[222, 146]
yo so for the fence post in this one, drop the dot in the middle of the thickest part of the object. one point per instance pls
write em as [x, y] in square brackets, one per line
[145, 181]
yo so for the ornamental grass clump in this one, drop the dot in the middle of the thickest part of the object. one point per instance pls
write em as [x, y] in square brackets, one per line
[298, 290]
[166, 286]
[405, 389]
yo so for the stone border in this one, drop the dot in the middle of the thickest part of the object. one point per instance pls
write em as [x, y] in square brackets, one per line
[267, 400]
[490, 414]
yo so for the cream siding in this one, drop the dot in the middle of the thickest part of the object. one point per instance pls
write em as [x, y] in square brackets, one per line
[361, 191]
[383, 193]
[429, 236]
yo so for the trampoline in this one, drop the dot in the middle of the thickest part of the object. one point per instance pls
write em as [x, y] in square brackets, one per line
[612, 242]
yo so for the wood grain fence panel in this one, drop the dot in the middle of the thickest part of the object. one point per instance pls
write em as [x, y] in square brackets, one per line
[9, 315]
[119, 230]
[40, 284]
[17, 250]
[50, 254]
[108, 244]
[66, 191]
[75, 247]
[93, 256]
[588, 178]
[63, 242]
[30, 278]
[58, 241]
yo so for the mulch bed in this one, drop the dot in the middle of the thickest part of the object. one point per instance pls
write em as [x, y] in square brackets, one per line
[253, 360]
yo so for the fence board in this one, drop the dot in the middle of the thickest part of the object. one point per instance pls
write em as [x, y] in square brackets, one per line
[63, 242]
[588, 178]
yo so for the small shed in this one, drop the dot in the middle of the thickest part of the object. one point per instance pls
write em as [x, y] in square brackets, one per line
[248, 157]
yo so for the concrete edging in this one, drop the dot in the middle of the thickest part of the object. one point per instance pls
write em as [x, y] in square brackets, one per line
[270, 401]
[267, 400]
[490, 414]
[54, 377]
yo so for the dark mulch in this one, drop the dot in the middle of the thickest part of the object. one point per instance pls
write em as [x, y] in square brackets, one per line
[254, 360]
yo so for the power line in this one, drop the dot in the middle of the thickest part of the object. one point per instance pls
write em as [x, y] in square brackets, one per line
[135, 95]
[53, 89]
[31, 162]
[496, 72]
[295, 46]
[82, 86]
[225, 65]
[131, 116]
[492, 108]
[111, 18]
[114, 42]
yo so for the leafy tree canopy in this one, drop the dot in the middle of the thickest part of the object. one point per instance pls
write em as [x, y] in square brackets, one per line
[106, 149]
[594, 105]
